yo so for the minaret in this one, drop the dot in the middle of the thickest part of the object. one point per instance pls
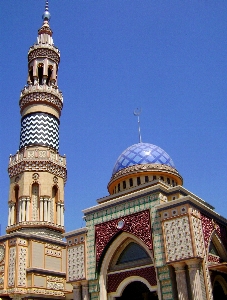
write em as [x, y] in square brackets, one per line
[37, 172]
[32, 253]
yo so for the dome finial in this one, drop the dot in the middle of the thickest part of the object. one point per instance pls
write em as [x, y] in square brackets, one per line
[46, 14]
[137, 113]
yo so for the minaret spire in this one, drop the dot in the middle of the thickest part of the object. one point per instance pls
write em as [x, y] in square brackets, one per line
[137, 113]
[46, 15]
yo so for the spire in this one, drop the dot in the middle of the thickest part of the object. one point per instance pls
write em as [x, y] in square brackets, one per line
[137, 113]
[46, 15]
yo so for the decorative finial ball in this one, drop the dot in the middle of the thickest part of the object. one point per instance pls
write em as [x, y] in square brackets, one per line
[46, 15]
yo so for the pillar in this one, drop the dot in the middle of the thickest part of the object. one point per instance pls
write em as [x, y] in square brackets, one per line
[41, 209]
[48, 209]
[62, 214]
[45, 209]
[28, 209]
[20, 208]
[23, 209]
[85, 291]
[77, 292]
[58, 214]
[182, 289]
[12, 214]
[194, 275]
[9, 216]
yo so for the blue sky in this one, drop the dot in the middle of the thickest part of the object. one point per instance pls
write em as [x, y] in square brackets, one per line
[167, 57]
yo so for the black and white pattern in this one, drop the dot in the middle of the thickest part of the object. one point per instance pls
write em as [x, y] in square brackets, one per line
[39, 129]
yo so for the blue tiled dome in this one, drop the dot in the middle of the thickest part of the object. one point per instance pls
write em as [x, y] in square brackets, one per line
[142, 153]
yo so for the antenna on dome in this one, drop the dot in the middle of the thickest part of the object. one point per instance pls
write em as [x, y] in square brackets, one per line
[137, 113]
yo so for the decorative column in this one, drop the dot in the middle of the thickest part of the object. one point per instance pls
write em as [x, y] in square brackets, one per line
[12, 219]
[9, 215]
[195, 283]
[62, 214]
[77, 292]
[23, 209]
[58, 214]
[85, 291]
[45, 209]
[27, 209]
[20, 208]
[41, 209]
[181, 281]
[48, 209]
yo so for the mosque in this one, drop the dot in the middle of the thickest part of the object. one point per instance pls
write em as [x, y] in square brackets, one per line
[149, 239]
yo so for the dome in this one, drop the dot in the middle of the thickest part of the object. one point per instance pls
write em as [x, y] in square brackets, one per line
[142, 153]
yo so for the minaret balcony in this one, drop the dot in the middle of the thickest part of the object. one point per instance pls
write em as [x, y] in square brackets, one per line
[42, 94]
[35, 224]
[37, 159]
[44, 50]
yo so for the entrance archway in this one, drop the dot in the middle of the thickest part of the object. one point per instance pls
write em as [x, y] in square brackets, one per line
[218, 292]
[137, 290]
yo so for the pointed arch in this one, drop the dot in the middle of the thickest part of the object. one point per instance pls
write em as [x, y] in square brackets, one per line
[129, 280]
[112, 254]
[217, 247]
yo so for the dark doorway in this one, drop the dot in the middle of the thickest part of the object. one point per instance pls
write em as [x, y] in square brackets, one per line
[218, 292]
[137, 291]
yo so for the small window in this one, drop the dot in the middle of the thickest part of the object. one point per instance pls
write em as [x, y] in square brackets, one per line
[138, 181]
[124, 184]
[118, 187]
[173, 183]
[132, 252]
[213, 250]
[146, 179]
[154, 177]
[130, 182]
[81, 238]
[168, 180]
[162, 178]
[76, 241]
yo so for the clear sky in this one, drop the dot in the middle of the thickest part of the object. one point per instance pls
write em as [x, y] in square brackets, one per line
[167, 57]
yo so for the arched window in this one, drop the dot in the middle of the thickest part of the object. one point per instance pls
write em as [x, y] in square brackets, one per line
[31, 75]
[49, 75]
[40, 74]
[132, 252]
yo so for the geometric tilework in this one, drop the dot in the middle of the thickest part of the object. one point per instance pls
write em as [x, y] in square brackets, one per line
[142, 153]
[39, 129]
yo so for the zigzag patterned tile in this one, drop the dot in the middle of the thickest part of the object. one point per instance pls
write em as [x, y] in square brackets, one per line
[39, 129]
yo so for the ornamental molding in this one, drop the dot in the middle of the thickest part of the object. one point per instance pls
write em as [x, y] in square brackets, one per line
[53, 250]
[44, 51]
[146, 168]
[38, 166]
[53, 231]
[147, 273]
[41, 97]
[105, 232]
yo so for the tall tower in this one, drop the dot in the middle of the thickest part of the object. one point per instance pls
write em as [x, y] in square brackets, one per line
[32, 253]
[37, 172]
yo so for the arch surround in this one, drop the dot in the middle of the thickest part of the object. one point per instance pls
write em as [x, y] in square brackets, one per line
[110, 253]
[126, 282]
